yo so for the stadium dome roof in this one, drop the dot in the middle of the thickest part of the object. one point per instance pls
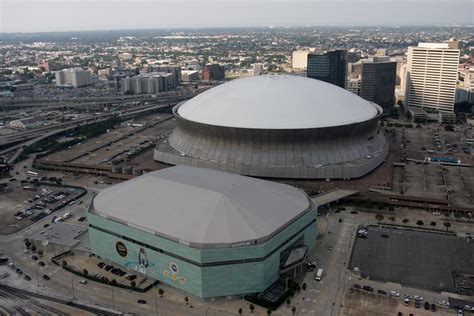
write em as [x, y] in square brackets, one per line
[203, 206]
[277, 102]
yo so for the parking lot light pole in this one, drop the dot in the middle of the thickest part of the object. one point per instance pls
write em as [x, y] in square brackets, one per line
[72, 287]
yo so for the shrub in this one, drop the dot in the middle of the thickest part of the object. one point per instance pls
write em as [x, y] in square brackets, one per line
[133, 284]
[405, 220]
[433, 223]
[85, 272]
[252, 307]
[293, 309]
[240, 311]
[288, 302]
[419, 222]
[161, 292]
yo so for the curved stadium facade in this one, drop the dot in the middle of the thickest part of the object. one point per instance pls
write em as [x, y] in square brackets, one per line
[205, 232]
[277, 127]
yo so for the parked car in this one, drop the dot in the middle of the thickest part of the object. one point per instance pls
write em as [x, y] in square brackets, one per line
[368, 288]
[27, 277]
[46, 277]
[382, 292]
[357, 286]
[83, 281]
[41, 264]
[394, 293]
[34, 257]
[19, 271]
[141, 301]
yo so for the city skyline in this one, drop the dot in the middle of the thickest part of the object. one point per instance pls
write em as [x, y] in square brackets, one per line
[73, 15]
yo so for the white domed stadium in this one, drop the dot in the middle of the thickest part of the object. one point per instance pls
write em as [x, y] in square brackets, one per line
[278, 127]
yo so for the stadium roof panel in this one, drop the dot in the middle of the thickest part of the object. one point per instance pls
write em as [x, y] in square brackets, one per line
[203, 206]
[277, 102]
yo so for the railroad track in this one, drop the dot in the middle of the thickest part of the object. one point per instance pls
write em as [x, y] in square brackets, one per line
[7, 292]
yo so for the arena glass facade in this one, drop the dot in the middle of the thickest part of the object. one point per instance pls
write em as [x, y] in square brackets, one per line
[203, 273]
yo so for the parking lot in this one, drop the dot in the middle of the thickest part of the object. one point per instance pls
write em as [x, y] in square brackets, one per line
[21, 207]
[414, 258]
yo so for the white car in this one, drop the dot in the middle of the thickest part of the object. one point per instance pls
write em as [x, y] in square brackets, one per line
[419, 298]
[394, 293]
[445, 303]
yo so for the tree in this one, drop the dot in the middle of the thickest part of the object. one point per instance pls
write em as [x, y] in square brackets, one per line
[186, 300]
[64, 263]
[33, 248]
[304, 286]
[392, 218]
[40, 252]
[133, 284]
[240, 311]
[27, 243]
[379, 217]
[433, 223]
[85, 272]
[161, 292]
[252, 307]
[113, 282]
[419, 222]
[340, 220]
[391, 209]
[269, 311]
[288, 302]
[293, 309]
[405, 220]
[447, 225]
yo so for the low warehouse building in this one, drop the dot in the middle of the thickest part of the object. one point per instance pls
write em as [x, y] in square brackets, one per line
[205, 232]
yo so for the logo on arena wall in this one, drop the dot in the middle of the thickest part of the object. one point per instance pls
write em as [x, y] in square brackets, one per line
[121, 249]
[174, 267]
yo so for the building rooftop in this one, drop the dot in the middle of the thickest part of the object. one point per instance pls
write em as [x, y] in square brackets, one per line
[202, 207]
[277, 102]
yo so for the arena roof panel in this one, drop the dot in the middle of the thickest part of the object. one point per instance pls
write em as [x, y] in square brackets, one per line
[277, 102]
[203, 206]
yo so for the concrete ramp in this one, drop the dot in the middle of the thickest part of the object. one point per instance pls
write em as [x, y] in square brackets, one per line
[332, 196]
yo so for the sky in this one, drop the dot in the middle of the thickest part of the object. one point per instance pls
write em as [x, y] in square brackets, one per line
[87, 15]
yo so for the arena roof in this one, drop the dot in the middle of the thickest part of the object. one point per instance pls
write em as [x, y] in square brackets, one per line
[203, 206]
[277, 102]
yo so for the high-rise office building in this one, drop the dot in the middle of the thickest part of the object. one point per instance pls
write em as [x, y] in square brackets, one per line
[432, 74]
[378, 81]
[75, 77]
[329, 66]
[353, 85]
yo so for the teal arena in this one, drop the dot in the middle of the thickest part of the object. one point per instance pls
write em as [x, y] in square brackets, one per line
[205, 232]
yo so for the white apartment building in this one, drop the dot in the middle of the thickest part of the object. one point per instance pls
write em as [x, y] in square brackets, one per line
[75, 77]
[153, 82]
[432, 71]
[299, 59]
[258, 69]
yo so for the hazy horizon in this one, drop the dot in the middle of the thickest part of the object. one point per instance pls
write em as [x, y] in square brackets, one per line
[31, 16]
